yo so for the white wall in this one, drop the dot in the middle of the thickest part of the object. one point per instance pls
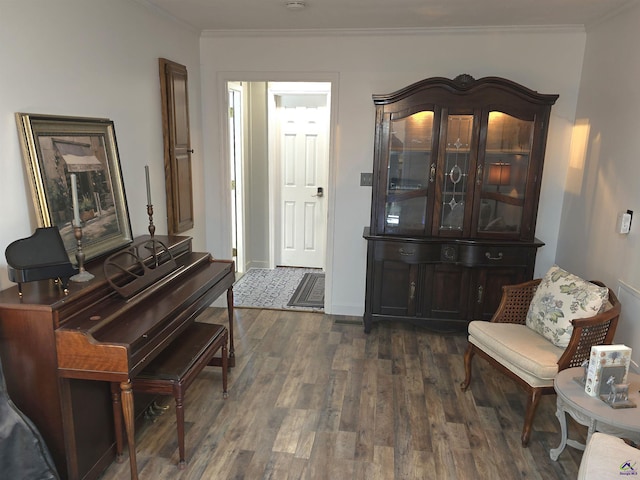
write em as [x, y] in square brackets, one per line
[605, 180]
[93, 58]
[548, 61]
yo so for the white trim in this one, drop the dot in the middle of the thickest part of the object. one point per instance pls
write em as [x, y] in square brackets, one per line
[164, 14]
[355, 32]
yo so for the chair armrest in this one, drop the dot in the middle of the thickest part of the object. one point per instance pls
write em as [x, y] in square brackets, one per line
[515, 302]
[590, 331]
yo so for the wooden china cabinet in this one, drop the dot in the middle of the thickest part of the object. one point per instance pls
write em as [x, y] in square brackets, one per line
[456, 181]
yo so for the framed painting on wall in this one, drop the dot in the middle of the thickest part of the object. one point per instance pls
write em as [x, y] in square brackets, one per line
[56, 147]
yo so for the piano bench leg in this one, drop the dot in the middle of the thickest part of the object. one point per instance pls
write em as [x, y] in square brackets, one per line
[175, 369]
[178, 394]
[225, 367]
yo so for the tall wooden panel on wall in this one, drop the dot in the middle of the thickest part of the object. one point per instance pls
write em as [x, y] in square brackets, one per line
[177, 145]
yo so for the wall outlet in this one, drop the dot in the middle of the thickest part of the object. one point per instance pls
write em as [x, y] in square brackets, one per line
[366, 179]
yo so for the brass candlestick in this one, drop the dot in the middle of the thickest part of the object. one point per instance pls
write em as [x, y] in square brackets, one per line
[82, 275]
[151, 244]
[152, 227]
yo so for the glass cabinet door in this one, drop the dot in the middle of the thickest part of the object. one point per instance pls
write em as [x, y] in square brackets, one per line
[506, 167]
[410, 173]
[457, 164]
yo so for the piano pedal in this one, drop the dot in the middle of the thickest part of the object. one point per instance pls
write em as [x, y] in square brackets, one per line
[161, 408]
[149, 415]
[154, 411]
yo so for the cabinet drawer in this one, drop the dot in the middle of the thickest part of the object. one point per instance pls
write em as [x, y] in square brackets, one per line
[488, 256]
[407, 252]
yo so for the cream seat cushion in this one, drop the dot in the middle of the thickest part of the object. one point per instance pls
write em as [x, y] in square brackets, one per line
[518, 348]
[608, 457]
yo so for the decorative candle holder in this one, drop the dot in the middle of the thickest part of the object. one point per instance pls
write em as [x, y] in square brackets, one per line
[152, 227]
[155, 247]
[82, 275]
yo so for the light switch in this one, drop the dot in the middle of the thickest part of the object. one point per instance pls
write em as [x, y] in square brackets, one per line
[623, 224]
[366, 179]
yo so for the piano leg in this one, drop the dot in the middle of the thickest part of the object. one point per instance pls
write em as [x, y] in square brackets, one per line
[117, 417]
[129, 425]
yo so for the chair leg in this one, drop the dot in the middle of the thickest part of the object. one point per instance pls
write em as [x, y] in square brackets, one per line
[468, 357]
[532, 405]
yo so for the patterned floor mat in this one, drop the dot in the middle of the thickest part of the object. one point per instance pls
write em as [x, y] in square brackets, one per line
[271, 288]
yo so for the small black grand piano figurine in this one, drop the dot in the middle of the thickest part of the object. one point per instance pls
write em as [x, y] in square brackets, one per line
[41, 256]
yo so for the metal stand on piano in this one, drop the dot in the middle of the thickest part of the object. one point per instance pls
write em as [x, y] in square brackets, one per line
[82, 275]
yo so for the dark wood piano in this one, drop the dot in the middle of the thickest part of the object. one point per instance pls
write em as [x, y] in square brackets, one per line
[61, 352]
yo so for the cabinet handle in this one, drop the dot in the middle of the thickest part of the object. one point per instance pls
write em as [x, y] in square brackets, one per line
[480, 293]
[412, 290]
[479, 175]
[432, 175]
[488, 255]
[406, 253]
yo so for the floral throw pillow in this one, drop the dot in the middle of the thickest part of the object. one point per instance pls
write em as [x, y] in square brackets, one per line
[560, 298]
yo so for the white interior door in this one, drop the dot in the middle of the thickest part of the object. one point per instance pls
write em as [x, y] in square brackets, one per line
[301, 173]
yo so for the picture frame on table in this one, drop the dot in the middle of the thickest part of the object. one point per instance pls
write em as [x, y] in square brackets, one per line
[56, 147]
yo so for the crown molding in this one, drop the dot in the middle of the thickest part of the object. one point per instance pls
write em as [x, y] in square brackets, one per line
[333, 32]
[166, 15]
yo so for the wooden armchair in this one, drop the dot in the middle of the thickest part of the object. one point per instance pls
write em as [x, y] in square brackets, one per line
[526, 356]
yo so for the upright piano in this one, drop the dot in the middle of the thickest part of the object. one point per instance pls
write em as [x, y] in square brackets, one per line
[61, 351]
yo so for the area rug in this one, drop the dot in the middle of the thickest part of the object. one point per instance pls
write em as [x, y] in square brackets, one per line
[271, 288]
[310, 292]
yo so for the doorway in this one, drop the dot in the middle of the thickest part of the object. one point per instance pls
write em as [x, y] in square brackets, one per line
[279, 145]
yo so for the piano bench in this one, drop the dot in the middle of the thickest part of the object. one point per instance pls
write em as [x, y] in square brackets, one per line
[177, 366]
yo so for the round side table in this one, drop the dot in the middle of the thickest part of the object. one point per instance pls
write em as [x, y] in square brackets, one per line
[593, 412]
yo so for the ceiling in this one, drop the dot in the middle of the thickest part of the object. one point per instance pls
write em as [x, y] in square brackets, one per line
[204, 15]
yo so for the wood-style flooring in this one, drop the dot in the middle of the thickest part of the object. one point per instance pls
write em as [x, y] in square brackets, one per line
[312, 397]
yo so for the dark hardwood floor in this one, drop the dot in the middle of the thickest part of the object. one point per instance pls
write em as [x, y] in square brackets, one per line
[312, 397]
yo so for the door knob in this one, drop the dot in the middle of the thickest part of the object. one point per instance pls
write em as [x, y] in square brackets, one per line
[320, 192]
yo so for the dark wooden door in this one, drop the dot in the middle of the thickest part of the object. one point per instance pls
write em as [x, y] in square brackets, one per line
[177, 145]
[395, 293]
[488, 284]
[446, 288]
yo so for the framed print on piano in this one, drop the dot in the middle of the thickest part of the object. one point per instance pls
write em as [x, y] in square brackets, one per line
[75, 177]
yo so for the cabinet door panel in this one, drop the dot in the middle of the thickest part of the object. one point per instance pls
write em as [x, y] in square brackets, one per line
[488, 284]
[507, 153]
[445, 286]
[456, 171]
[395, 289]
[409, 174]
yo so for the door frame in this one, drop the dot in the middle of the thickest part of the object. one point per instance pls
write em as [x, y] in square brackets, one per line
[223, 80]
[236, 168]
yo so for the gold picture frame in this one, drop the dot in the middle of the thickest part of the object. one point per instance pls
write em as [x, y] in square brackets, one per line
[53, 148]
